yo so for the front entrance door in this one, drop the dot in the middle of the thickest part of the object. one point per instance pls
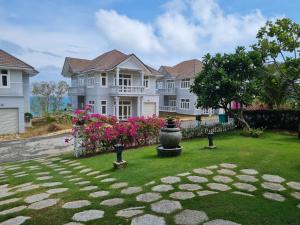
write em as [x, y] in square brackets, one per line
[125, 109]
[80, 102]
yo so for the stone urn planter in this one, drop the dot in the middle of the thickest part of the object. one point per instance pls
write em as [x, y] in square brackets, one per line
[169, 137]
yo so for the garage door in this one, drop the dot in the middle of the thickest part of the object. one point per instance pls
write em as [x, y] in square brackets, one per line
[149, 108]
[9, 121]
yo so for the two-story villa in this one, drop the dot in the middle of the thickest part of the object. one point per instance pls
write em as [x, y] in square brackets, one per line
[174, 88]
[114, 83]
[14, 92]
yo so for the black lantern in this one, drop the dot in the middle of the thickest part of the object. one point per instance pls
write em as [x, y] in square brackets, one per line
[119, 149]
[210, 137]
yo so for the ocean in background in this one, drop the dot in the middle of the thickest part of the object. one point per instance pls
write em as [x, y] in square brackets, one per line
[35, 108]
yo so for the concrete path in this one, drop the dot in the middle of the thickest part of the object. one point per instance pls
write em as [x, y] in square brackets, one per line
[34, 147]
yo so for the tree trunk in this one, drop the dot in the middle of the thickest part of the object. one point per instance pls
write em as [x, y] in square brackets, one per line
[239, 117]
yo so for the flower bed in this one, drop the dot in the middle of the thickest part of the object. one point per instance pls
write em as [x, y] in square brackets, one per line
[99, 133]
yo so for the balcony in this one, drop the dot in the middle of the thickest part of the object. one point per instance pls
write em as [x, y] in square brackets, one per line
[127, 90]
[166, 91]
[76, 91]
[167, 108]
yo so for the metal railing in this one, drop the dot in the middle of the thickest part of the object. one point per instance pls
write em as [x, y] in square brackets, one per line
[76, 90]
[166, 90]
[167, 108]
[127, 90]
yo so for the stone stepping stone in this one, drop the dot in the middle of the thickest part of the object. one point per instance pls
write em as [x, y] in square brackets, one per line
[213, 167]
[88, 215]
[218, 186]
[93, 173]
[6, 194]
[75, 164]
[79, 167]
[65, 172]
[51, 184]
[70, 176]
[205, 193]
[16, 221]
[118, 185]
[197, 179]
[13, 210]
[273, 186]
[203, 171]
[222, 179]
[23, 185]
[249, 171]
[150, 183]
[247, 178]
[190, 217]
[73, 223]
[162, 188]
[274, 196]
[108, 180]
[85, 170]
[43, 204]
[76, 179]
[245, 187]
[57, 190]
[76, 204]
[101, 176]
[130, 212]
[221, 222]
[148, 197]
[83, 182]
[170, 180]
[227, 172]
[228, 165]
[184, 174]
[42, 173]
[166, 206]
[28, 188]
[242, 193]
[132, 190]
[22, 175]
[89, 188]
[294, 185]
[148, 219]
[8, 201]
[98, 194]
[36, 198]
[296, 195]
[59, 169]
[182, 195]
[273, 178]
[44, 178]
[189, 187]
[112, 202]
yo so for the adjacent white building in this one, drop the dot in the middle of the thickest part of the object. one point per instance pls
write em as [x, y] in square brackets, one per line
[14, 92]
[174, 88]
[114, 83]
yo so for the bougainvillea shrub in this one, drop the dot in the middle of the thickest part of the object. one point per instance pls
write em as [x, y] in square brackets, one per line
[100, 133]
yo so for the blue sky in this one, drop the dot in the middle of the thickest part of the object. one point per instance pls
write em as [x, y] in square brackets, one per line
[44, 32]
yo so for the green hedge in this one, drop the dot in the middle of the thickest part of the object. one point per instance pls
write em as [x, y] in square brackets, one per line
[273, 119]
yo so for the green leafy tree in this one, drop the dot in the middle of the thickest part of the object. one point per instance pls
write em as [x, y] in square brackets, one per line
[227, 78]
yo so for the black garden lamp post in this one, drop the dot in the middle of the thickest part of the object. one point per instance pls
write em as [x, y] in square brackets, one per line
[210, 137]
[119, 163]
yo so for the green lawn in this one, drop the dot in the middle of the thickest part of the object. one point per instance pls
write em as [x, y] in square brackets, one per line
[274, 153]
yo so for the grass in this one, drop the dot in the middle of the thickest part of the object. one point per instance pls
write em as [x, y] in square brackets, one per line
[273, 153]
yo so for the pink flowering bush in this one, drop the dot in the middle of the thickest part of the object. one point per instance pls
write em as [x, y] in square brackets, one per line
[100, 133]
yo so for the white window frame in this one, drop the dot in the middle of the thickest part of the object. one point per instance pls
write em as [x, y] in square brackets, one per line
[122, 117]
[103, 75]
[170, 84]
[185, 103]
[91, 82]
[92, 103]
[7, 78]
[101, 105]
[80, 81]
[185, 83]
[146, 82]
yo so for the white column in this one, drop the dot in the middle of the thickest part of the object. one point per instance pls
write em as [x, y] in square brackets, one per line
[117, 76]
[138, 106]
[141, 106]
[117, 107]
[142, 77]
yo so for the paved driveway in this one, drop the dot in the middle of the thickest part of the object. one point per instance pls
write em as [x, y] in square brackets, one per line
[34, 147]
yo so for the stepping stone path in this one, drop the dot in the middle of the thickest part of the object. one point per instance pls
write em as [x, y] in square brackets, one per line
[130, 212]
[170, 180]
[205, 193]
[218, 187]
[273, 186]
[163, 188]
[220, 222]
[182, 195]
[189, 187]
[8, 201]
[43, 204]
[148, 197]
[131, 190]
[227, 172]
[294, 185]
[228, 165]
[36, 198]
[112, 202]
[76, 204]
[274, 196]
[16, 221]
[222, 179]
[197, 179]
[184, 174]
[88, 215]
[296, 195]
[88, 188]
[57, 190]
[107, 180]
[148, 219]
[166, 206]
[242, 193]
[13, 210]
[98, 194]
[51, 184]
[119, 185]
[249, 171]
[203, 171]
[245, 187]
[247, 178]
[190, 217]
[273, 178]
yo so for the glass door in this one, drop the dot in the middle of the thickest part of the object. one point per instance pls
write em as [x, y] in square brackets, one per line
[125, 83]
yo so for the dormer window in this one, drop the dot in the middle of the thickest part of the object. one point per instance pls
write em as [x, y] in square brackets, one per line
[4, 78]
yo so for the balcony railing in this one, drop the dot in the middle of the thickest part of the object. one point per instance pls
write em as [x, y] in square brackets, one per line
[127, 90]
[76, 91]
[170, 91]
[167, 108]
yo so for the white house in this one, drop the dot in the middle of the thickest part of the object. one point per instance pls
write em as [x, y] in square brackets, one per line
[14, 92]
[114, 83]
